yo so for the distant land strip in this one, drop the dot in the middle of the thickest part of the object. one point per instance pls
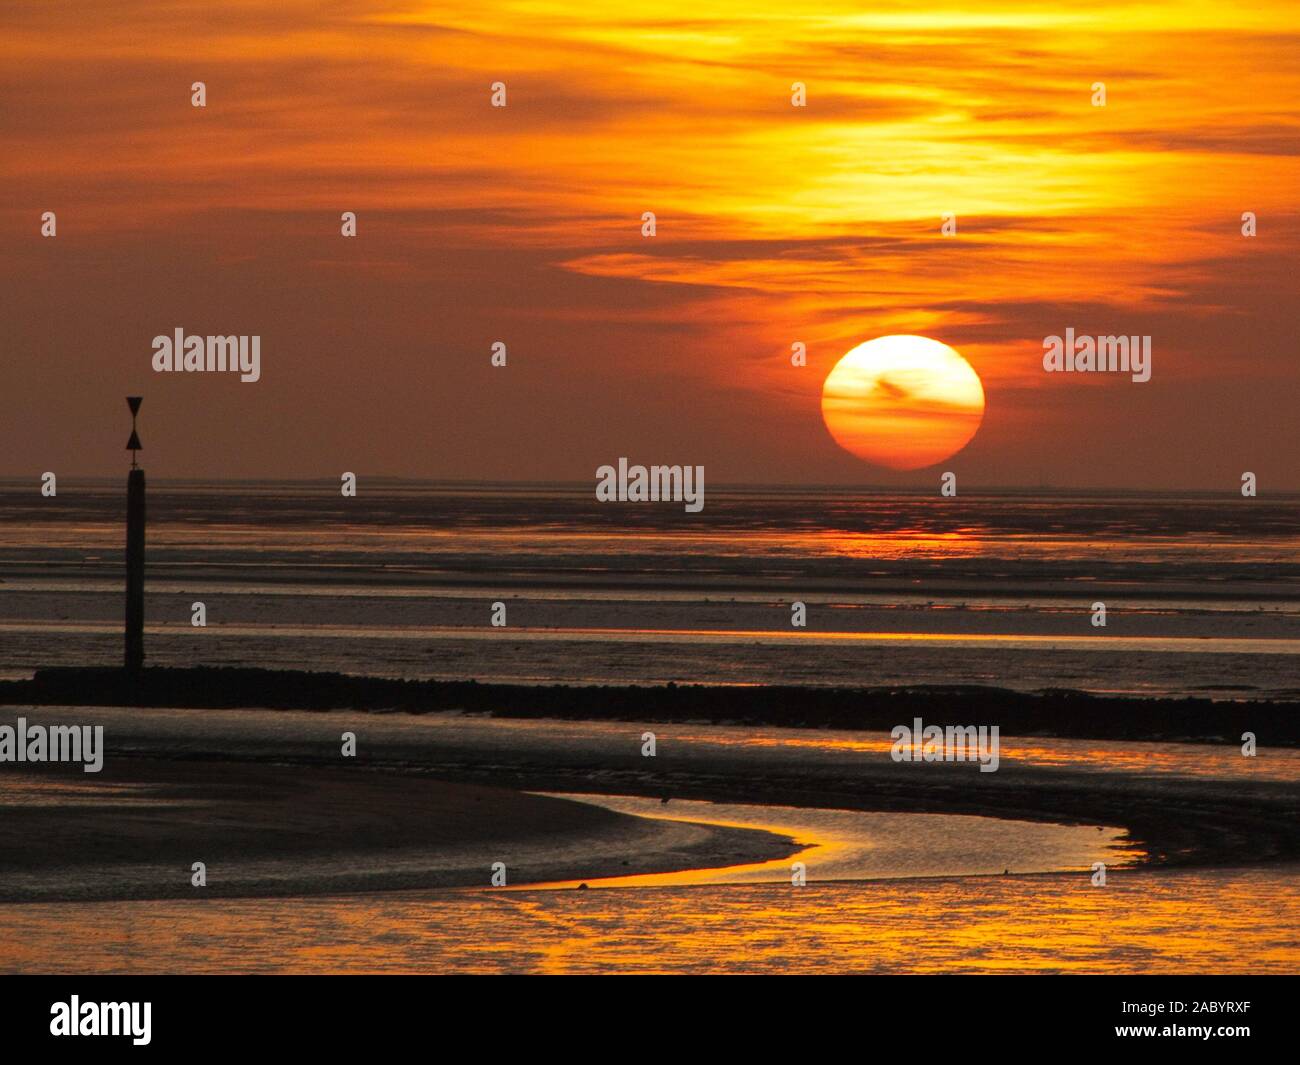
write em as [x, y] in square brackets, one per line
[1050, 713]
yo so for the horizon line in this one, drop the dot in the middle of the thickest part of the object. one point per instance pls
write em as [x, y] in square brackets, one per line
[7, 482]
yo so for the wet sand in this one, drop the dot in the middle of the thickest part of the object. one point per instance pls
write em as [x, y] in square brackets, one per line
[434, 800]
[134, 830]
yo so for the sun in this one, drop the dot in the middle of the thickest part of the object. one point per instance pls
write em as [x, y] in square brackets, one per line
[903, 402]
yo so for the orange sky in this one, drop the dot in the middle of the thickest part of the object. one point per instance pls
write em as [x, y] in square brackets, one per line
[776, 224]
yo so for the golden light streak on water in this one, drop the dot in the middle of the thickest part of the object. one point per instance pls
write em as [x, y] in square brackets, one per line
[1221, 921]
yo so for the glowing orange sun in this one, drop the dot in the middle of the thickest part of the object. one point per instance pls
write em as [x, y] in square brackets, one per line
[903, 402]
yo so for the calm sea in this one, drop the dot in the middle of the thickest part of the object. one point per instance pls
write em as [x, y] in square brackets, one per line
[1202, 592]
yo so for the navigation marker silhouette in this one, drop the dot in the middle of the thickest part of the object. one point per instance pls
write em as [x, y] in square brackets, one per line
[133, 445]
[134, 552]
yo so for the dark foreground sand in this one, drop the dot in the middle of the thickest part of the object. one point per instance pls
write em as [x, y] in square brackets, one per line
[134, 830]
[262, 798]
